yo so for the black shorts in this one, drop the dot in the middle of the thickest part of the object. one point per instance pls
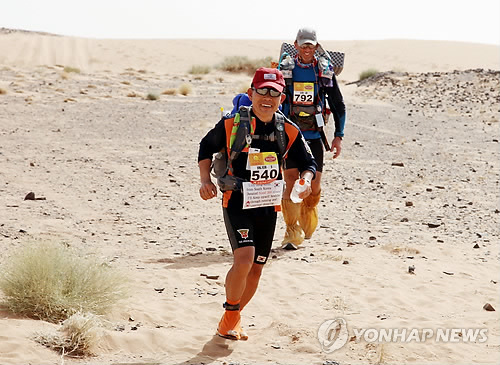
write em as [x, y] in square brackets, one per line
[247, 229]
[316, 146]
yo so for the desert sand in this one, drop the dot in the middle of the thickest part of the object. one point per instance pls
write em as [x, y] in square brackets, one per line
[409, 218]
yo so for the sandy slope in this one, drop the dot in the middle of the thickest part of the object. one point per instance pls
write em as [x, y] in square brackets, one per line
[120, 180]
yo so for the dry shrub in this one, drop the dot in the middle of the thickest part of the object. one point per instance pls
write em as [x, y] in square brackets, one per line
[69, 69]
[78, 336]
[199, 70]
[367, 73]
[152, 96]
[169, 92]
[242, 64]
[51, 282]
[185, 89]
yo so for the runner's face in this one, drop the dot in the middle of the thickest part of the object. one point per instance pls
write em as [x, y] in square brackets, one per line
[264, 106]
[306, 52]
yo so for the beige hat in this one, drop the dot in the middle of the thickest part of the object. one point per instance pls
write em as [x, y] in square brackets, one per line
[306, 35]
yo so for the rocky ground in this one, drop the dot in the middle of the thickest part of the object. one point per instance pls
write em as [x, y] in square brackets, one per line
[472, 93]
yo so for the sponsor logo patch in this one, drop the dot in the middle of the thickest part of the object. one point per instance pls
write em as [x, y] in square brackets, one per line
[261, 258]
[243, 233]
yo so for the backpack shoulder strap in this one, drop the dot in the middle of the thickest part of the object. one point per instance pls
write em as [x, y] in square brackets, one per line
[240, 134]
[279, 123]
[288, 135]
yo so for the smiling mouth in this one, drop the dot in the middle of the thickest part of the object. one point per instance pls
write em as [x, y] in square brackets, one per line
[266, 105]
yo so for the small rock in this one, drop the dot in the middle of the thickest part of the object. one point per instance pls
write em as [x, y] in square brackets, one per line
[448, 273]
[409, 204]
[345, 262]
[433, 225]
[411, 269]
[488, 307]
[159, 290]
[30, 196]
[404, 220]
[212, 277]
[210, 249]
[476, 246]
[276, 347]
[398, 164]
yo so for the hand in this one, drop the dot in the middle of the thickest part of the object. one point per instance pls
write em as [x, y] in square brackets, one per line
[208, 190]
[336, 147]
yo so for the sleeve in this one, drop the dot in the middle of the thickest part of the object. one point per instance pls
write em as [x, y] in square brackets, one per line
[213, 142]
[301, 154]
[337, 106]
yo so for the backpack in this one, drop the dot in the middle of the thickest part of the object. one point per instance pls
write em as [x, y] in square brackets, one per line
[241, 137]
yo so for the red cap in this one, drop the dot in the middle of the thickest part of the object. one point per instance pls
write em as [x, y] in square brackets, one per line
[268, 77]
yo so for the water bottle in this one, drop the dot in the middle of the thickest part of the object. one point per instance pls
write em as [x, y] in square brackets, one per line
[286, 66]
[299, 186]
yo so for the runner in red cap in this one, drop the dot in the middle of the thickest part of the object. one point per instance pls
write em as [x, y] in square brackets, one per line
[252, 186]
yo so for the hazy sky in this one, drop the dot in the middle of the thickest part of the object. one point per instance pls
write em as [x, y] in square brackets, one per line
[469, 21]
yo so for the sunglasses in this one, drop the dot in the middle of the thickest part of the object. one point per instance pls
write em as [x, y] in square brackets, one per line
[263, 91]
[307, 46]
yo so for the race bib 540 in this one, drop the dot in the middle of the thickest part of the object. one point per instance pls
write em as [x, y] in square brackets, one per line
[264, 167]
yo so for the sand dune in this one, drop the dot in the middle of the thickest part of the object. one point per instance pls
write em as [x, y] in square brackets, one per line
[177, 56]
[416, 186]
